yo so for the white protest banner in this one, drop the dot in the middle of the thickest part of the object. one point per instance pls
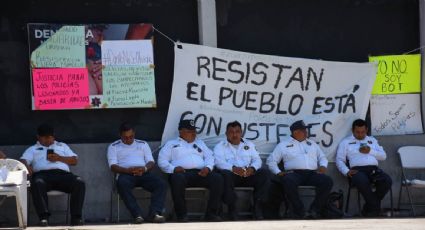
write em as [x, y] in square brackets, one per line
[396, 114]
[266, 94]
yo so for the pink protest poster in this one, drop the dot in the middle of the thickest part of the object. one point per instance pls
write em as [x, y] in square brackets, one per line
[60, 88]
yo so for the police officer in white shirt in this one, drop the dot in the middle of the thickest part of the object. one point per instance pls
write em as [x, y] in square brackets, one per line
[304, 164]
[357, 158]
[132, 161]
[48, 163]
[189, 162]
[239, 163]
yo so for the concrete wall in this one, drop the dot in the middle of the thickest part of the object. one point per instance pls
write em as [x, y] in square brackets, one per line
[93, 168]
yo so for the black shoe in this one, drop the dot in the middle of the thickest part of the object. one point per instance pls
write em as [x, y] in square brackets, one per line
[139, 220]
[182, 219]
[158, 218]
[213, 218]
[76, 222]
[43, 223]
[312, 214]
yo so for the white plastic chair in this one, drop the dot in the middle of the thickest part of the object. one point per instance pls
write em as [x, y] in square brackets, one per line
[15, 185]
[411, 158]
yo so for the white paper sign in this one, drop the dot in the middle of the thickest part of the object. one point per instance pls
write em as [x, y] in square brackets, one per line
[396, 114]
[266, 94]
[127, 53]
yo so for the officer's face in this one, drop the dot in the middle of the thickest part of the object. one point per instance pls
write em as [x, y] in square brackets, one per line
[127, 137]
[299, 134]
[188, 135]
[360, 132]
[234, 135]
[46, 140]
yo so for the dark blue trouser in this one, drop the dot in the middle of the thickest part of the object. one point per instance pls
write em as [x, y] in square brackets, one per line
[363, 180]
[151, 182]
[295, 178]
[56, 179]
[190, 178]
[259, 181]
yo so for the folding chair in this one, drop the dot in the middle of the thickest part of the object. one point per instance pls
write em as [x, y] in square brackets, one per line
[411, 158]
[15, 185]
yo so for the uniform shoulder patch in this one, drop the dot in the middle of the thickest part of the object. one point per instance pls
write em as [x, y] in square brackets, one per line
[308, 143]
[352, 143]
[39, 148]
[290, 146]
[370, 142]
[175, 146]
[246, 147]
[116, 143]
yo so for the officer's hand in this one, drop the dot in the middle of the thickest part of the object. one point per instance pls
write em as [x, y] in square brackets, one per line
[322, 170]
[282, 173]
[179, 169]
[138, 171]
[204, 172]
[364, 149]
[351, 172]
[249, 172]
[238, 171]
[53, 157]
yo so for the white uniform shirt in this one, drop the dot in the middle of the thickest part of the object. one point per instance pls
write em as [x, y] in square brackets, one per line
[36, 156]
[178, 152]
[297, 155]
[137, 154]
[348, 149]
[245, 155]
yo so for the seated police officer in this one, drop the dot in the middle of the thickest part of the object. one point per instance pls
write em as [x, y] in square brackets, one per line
[304, 164]
[48, 164]
[190, 163]
[362, 153]
[239, 163]
[132, 161]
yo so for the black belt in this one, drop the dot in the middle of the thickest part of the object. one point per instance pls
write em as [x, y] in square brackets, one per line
[365, 167]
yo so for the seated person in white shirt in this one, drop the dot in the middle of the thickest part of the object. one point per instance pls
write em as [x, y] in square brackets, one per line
[48, 164]
[239, 163]
[189, 163]
[357, 158]
[132, 161]
[304, 164]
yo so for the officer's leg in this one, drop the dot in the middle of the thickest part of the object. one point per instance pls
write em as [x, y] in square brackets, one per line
[229, 195]
[125, 186]
[361, 181]
[158, 189]
[39, 187]
[383, 184]
[214, 182]
[75, 186]
[323, 184]
[260, 181]
[290, 183]
[178, 183]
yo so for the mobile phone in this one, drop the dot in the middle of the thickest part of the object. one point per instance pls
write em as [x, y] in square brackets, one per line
[50, 151]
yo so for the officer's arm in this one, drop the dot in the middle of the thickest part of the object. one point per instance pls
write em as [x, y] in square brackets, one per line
[341, 158]
[256, 159]
[274, 159]
[69, 157]
[208, 157]
[377, 151]
[117, 169]
[150, 162]
[164, 159]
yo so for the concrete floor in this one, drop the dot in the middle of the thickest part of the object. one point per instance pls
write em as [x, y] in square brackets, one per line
[375, 224]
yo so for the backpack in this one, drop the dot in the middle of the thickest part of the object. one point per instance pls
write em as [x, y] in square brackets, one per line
[334, 205]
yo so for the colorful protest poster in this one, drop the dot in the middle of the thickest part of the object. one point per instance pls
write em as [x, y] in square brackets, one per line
[128, 74]
[59, 88]
[128, 48]
[397, 74]
[65, 48]
[266, 94]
